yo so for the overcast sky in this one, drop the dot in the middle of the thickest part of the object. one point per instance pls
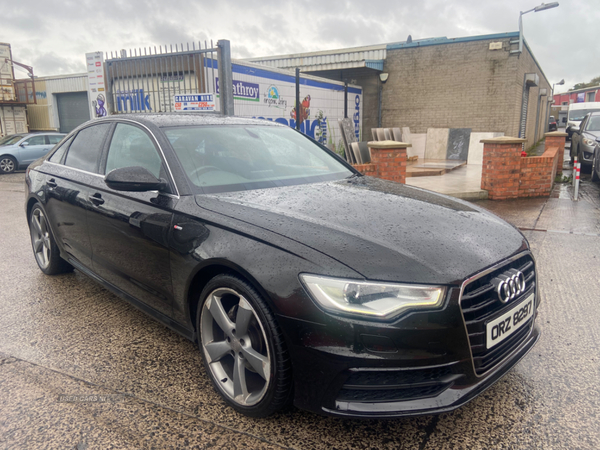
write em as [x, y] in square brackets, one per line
[53, 36]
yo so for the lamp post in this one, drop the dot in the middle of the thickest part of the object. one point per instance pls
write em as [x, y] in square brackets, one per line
[551, 102]
[539, 8]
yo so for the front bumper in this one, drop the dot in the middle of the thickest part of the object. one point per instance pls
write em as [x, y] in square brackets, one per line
[428, 362]
[452, 395]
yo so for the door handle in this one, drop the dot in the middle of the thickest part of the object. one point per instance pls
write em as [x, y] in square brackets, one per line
[51, 183]
[96, 199]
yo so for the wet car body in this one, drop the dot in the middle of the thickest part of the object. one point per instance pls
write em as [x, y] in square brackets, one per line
[159, 250]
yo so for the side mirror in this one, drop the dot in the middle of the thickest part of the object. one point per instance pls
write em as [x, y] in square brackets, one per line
[133, 179]
[24, 144]
[574, 128]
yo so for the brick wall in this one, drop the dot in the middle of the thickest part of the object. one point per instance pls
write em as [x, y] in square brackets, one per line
[501, 168]
[506, 174]
[367, 169]
[461, 85]
[388, 161]
[538, 173]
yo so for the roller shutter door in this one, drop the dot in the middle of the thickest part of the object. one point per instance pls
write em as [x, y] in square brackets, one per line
[73, 110]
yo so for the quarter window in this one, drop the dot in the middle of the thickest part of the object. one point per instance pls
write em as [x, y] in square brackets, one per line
[86, 148]
[60, 151]
[131, 146]
[54, 139]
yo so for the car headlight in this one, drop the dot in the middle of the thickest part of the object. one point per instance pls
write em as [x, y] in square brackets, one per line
[370, 300]
[590, 142]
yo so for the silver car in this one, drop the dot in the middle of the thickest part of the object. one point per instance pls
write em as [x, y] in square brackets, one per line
[584, 140]
[17, 151]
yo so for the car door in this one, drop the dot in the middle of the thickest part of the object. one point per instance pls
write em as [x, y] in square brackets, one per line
[33, 148]
[68, 175]
[129, 230]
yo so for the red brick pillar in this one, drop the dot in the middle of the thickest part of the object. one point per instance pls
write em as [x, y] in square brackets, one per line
[501, 169]
[390, 158]
[556, 139]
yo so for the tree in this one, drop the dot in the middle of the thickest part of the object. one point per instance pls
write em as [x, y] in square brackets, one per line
[593, 82]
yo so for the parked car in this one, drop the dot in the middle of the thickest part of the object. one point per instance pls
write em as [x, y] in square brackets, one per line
[577, 111]
[300, 279]
[585, 140]
[552, 125]
[17, 151]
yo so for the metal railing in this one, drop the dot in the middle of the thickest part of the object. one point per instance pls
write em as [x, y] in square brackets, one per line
[146, 80]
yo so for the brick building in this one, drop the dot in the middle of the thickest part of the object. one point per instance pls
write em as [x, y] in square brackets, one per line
[481, 83]
[588, 94]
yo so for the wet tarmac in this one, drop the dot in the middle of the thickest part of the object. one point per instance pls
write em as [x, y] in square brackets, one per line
[82, 369]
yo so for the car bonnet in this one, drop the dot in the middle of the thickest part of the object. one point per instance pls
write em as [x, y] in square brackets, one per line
[383, 230]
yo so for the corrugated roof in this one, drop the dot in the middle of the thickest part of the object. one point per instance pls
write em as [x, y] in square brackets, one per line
[326, 60]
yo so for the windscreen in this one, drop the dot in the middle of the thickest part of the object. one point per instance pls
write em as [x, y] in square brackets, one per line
[240, 157]
[593, 124]
[579, 114]
[10, 140]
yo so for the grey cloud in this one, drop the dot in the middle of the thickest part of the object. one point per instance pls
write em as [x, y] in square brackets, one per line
[563, 39]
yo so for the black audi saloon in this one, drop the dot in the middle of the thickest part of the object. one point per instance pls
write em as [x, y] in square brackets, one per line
[300, 279]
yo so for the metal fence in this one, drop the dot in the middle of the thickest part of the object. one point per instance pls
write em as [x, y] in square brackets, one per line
[145, 80]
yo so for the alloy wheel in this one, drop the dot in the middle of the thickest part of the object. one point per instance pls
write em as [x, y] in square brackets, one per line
[235, 346]
[40, 237]
[7, 165]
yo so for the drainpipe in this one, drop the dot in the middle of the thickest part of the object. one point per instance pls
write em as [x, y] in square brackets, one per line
[543, 93]
[379, 105]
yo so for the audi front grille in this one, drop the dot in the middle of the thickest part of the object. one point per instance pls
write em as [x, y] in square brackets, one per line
[480, 302]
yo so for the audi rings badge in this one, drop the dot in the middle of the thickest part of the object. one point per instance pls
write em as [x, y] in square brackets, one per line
[509, 285]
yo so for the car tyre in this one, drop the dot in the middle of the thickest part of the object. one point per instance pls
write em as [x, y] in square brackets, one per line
[45, 250]
[243, 348]
[8, 164]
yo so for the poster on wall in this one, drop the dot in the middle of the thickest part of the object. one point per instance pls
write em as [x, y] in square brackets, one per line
[581, 97]
[96, 84]
[270, 94]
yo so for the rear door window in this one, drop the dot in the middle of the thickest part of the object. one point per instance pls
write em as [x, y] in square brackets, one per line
[86, 148]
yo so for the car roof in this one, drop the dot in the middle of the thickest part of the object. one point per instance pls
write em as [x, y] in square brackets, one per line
[182, 119]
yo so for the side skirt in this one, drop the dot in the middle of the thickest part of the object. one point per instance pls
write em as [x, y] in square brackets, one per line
[167, 321]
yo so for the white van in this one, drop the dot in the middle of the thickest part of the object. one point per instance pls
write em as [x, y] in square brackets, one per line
[577, 112]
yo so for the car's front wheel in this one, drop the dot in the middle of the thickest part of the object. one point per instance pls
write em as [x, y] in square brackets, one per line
[8, 164]
[47, 254]
[242, 347]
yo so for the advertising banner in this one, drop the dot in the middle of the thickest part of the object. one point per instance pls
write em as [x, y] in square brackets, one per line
[270, 94]
[194, 102]
[96, 84]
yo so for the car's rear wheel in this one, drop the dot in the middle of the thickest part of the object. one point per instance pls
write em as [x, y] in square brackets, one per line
[47, 254]
[8, 164]
[243, 348]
